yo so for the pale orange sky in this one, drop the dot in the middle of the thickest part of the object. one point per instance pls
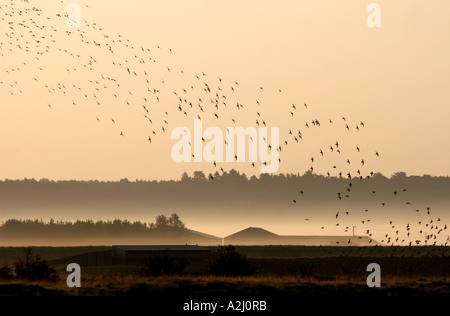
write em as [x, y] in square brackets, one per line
[394, 78]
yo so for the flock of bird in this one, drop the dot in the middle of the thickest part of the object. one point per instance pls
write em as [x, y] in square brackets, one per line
[107, 71]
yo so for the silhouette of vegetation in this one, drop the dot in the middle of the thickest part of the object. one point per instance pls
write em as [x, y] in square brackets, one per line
[29, 268]
[163, 225]
[228, 193]
[163, 264]
[125, 194]
[6, 273]
[229, 262]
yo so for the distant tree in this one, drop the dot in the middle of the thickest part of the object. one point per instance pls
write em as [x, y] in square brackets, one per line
[185, 177]
[380, 176]
[175, 222]
[199, 176]
[233, 176]
[399, 175]
[228, 261]
[265, 177]
[308, 175]
[161, 221]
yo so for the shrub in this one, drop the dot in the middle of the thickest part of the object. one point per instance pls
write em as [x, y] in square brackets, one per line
[33, 269]
[6, 273]
[227, 261]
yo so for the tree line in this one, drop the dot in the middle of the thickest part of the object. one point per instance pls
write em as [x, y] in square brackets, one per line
[234, 175]
[161, 225]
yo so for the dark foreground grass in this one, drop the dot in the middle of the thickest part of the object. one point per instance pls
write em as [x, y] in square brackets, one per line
[283, 275]
[181, 288]
[10, 254]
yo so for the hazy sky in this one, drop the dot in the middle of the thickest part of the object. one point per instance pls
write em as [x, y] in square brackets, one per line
[394, 78]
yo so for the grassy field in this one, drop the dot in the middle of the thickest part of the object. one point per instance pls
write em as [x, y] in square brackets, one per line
[283, 288]
[282, 273]
[10, 254]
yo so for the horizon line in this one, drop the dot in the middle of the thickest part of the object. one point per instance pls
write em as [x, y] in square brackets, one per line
[400, 174]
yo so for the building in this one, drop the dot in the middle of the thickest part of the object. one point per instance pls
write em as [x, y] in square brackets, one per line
[255, 236]
[198, 256]
[137, 255]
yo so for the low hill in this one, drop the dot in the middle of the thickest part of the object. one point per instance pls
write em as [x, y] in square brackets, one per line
[259, 237]
[166, 231]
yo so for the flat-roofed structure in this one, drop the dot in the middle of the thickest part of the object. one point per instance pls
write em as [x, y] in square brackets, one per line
[137, 255]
